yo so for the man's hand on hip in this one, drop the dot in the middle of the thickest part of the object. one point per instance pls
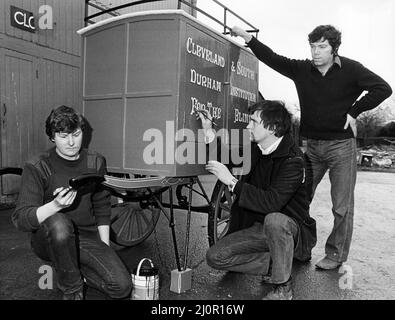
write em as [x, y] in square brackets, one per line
[352, 123]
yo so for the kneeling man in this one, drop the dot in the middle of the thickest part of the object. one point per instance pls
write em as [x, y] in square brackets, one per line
[270, 221]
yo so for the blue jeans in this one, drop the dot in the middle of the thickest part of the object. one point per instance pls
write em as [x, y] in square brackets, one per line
[80, 253]
[339, 156]
[250, 250]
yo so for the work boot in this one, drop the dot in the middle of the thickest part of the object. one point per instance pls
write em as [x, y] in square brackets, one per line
[267, 278]
[280, 292]
[78, 295]
[327, 264]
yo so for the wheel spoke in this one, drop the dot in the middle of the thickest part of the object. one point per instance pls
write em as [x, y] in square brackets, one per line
[139, 227]
[128, 234]
[124, 223]
[120, 217]
[145, 218]
[128, 230]
[228, 195]
[118, 211]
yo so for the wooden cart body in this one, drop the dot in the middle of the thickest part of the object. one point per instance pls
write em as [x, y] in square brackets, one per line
[145, 75]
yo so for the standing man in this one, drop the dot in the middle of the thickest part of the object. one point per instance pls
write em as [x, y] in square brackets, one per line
[270, 215]
[328, 87]
[70, 228]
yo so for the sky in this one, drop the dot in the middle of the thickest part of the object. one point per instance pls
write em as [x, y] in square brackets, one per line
[367, 26]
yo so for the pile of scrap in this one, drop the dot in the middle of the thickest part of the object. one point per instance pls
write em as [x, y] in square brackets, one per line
[378, 156]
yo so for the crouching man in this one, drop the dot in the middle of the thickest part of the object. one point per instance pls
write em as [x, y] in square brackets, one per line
[270, 221]
[70, 228]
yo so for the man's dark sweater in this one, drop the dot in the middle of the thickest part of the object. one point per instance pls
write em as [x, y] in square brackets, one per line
[326, 100]
[91, 207]
[276, 183]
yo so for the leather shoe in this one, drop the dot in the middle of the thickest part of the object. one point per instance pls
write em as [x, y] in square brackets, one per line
[267, 279]
[327, 264]
[79, 295]
[280, 292]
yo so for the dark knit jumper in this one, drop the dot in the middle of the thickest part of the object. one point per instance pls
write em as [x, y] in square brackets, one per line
[91, 207]
[326, 100]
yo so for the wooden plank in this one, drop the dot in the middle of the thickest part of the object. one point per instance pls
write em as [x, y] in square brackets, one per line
[38, 129]
[77, 75]
[18, 32]
[2, 102]
[78, 23]
[62, 83]
[43, 34]
[70, 29]
[18, 146]
[56, 84]
[8, 28]
[34, 8]
[51, 36]
[25, 112]
[48, 94]
[61, 28]
[26, 5]
[49, 85]
[2, 16]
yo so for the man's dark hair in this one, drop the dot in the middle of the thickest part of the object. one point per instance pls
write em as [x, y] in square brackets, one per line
[327, 32]
[63, 119]
[274, 116]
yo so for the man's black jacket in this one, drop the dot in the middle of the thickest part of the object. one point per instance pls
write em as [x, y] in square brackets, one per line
[276, 183]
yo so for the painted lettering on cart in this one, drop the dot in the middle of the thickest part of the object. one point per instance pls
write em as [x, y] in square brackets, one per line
[243, 71]
[215, 112]
[204, 81]
[241, 117]
[204, 53]
[243, 94]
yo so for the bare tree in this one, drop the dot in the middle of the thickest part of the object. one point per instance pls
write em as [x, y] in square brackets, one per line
[369, 122]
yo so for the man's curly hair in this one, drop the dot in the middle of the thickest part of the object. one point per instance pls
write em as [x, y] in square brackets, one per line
[274, 116]
[327, 32]
[63, 119]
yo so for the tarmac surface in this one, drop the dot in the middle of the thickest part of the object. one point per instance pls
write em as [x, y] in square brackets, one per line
[369, 274]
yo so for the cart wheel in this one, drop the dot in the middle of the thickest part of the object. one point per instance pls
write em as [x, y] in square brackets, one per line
[131, 224]
[218, 218]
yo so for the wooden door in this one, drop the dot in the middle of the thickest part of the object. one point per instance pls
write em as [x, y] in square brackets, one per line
[19, 94]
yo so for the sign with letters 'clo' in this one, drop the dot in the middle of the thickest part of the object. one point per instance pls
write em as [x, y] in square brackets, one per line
[22, 19]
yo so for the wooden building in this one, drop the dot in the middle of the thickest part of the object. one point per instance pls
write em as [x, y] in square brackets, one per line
[39, 69]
